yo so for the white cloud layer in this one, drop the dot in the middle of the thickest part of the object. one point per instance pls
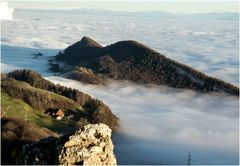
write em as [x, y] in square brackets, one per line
[200, 123]
[207, 43]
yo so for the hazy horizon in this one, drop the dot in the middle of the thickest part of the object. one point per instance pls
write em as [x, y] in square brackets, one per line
[131, 6]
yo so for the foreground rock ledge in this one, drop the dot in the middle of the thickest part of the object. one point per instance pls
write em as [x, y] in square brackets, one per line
[90, 146]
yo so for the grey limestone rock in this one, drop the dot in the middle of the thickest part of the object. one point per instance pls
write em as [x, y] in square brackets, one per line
[90, 146]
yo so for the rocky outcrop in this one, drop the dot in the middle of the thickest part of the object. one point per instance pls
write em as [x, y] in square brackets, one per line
[90, 146]
[130, 60]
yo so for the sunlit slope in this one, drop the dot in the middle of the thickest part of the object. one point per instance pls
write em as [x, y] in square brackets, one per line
[35, 94]
[18, 109]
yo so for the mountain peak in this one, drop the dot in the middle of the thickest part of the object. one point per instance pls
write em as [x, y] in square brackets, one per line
[86, 41]
[134, 61]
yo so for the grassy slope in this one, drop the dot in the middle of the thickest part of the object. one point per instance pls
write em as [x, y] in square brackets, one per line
[80, 111]
[16, 108]
[51, 95]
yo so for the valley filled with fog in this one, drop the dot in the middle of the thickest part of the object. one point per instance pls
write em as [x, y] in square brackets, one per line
[158, 125]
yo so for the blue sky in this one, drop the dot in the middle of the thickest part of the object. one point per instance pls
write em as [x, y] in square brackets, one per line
[187, 6]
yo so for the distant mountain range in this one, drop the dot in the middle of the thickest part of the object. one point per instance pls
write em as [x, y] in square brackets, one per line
[92, 11]
[88, 61]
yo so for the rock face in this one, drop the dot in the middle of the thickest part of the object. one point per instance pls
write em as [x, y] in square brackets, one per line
[90, 146]
[133, 61]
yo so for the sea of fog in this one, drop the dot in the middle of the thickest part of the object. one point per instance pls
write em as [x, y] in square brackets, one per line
[158, 125]
[161, 125]
[207, 42]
